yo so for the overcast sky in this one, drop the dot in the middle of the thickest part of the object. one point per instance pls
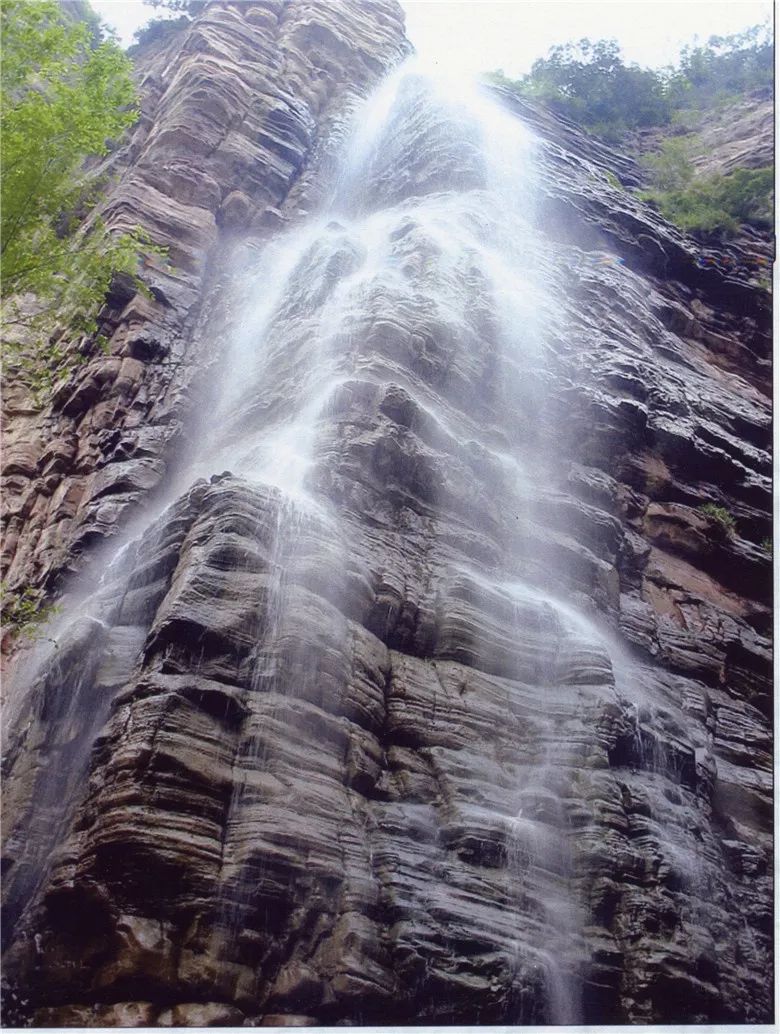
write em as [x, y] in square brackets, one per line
[482, 35]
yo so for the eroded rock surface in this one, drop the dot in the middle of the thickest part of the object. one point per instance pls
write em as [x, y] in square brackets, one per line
[238, 110]
[737, 134]
[474, 726]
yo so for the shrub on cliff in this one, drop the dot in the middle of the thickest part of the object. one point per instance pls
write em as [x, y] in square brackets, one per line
[187, 7]
[64, 98]
[156, 30]
[723, 520]
[748, 195]
[670, 167]
[163, 27]
[714, 203]
[23, 612]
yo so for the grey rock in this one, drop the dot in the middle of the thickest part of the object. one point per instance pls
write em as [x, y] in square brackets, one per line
[421, 744]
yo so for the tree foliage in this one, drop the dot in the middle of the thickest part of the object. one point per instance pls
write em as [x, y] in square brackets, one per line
[64, 99]
[82, 11]
[189, 7]
[165, 26]
[155, 30]
[719, 203]
[590, 83]
[724, 67]
[670, 167]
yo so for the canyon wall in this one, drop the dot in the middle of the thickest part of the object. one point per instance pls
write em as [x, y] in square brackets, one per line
[427, 691]
[239, 110]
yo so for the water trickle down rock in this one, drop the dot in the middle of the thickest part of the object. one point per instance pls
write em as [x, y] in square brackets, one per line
[447, 703]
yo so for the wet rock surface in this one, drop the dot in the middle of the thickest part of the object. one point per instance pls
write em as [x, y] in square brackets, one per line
[239, 109]
[476, 728]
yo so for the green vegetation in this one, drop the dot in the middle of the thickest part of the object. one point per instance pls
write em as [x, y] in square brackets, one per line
[23, 611]
[157, 29]
[163, 27]
[766, 545]
[724, 68]
[190, 7]
[590, 83]
[670, 168]
[721, 515]
[65, 97]
[81, 11]
[613, 180]
[708, 203]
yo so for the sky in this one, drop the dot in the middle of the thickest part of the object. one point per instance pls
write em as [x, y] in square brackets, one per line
[483, 35]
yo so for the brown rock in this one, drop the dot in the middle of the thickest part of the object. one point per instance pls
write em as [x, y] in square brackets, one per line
[483, 735]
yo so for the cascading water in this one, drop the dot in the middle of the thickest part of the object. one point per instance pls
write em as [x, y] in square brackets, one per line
[394, 362]
[471, 248]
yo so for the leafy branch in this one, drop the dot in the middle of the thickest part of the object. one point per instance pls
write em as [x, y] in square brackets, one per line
[65, 97]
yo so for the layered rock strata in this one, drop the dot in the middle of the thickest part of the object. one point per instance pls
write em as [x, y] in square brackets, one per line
[476, 726]
[238, 111]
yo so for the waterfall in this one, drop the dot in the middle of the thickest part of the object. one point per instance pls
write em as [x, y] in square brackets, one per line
[424, 298]
[468, 253]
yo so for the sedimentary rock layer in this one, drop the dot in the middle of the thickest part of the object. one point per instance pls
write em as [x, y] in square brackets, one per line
[239, 110]
[474, 727]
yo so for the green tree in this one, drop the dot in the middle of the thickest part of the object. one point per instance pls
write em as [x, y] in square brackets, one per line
[165, 26]
[590, 83]
[190, 7]
[64, 99]
[155, 30]
[724, 67]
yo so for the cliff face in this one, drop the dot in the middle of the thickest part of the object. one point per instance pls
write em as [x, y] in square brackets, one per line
[733, 136]
[432, 694]
[736, 135]
[238, 110]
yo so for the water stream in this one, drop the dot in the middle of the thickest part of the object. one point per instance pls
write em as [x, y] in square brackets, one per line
[432, 220]
[461, 248]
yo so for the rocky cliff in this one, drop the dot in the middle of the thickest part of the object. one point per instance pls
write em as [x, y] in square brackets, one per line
[238, 110]
[422, 688]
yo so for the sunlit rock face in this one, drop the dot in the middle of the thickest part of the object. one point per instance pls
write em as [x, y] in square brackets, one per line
[433, 695]
[240, 110]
